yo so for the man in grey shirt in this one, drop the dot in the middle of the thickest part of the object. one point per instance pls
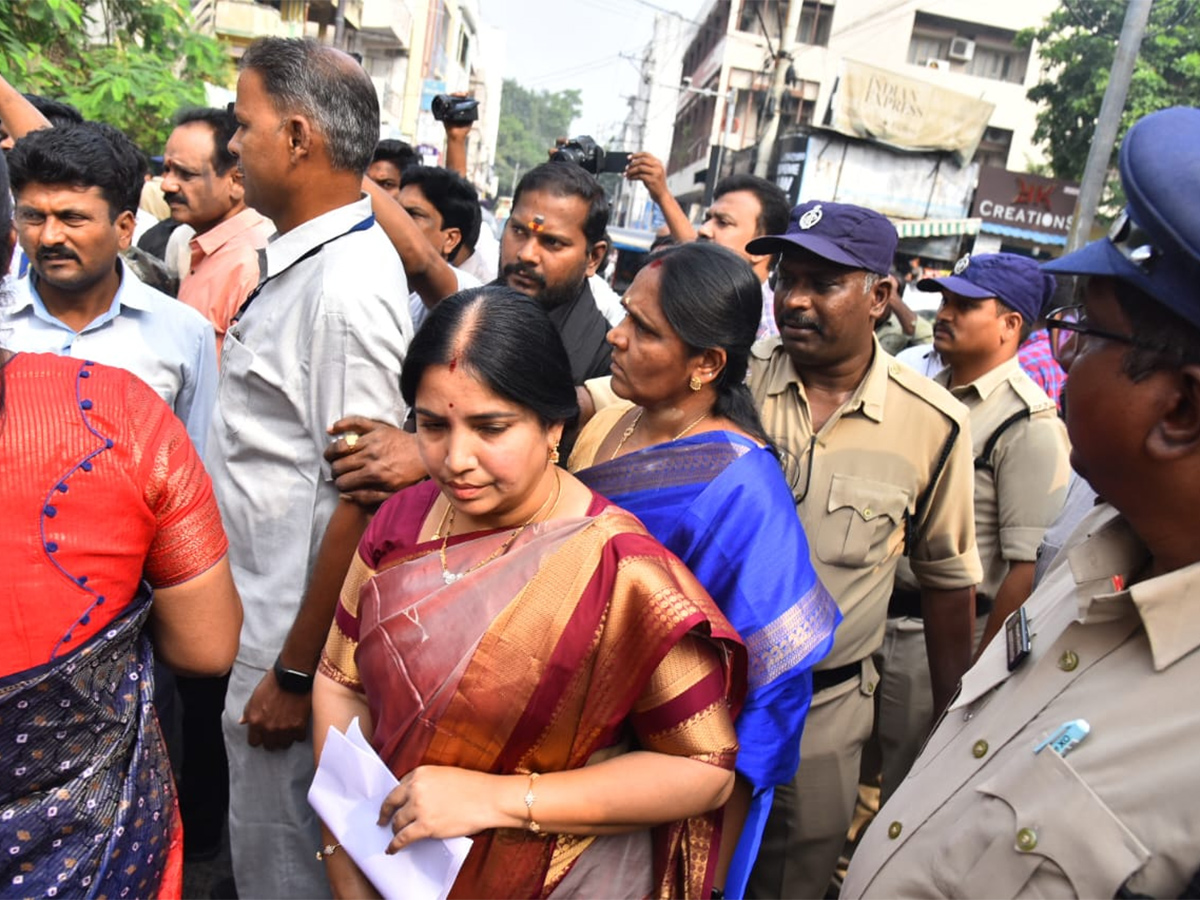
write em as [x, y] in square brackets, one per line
[323, 336]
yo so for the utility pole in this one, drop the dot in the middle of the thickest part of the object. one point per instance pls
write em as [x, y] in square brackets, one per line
[716, 157]
[1137, 14]
[783, 58]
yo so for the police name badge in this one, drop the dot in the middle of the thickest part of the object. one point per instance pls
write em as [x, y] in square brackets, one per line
[810, 218]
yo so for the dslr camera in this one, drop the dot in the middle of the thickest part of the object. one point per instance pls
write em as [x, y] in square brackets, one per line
[586, 153]
[454, 110]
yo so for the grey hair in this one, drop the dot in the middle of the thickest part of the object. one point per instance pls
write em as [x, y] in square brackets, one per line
[305, 77]
[870, 279]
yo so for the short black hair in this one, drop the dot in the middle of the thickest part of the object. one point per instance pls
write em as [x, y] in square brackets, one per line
[90, 154]
[565, 179]
[455, 199]
[774, 208]
[507, 340]
[223, 124]
[1026, 325]
[399, 153]
[56, 111]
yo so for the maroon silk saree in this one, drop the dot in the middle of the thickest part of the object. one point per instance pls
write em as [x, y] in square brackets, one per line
[541, 660]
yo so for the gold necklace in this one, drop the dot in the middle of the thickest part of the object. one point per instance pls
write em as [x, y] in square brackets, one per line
[629, 431]
[442, 524]
[450, 577]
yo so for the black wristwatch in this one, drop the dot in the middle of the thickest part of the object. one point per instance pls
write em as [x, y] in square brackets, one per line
[291, 680]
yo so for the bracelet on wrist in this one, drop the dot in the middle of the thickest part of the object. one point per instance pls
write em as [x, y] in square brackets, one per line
[530, 799]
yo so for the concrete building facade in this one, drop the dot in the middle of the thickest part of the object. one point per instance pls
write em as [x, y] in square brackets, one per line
[960, 45]
[412, 49]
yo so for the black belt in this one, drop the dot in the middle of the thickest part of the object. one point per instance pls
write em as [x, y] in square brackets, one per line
[908, 603]
[824, 679]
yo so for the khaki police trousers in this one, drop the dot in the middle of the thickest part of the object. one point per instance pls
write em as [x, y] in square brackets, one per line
[806, 830]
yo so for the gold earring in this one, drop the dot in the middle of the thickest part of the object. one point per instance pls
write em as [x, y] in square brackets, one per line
[554, 454]
[695, 384]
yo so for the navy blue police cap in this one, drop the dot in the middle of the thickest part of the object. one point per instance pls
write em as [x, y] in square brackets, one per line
[1017, 280]
[1155, 243]
[842, 233]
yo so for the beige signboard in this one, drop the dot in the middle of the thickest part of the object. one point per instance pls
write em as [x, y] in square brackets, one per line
[907, 113]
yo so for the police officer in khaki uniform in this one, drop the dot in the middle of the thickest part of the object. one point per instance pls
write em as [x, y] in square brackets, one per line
[1021, 475]
[1069, 769]
[879, 459]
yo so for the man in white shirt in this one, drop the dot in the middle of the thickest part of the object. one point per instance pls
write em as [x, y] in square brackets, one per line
[322, 337]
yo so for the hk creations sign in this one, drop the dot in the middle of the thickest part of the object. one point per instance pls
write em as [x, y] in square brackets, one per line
[1028, 202]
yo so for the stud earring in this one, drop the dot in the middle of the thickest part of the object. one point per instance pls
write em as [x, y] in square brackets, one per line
[695, 383]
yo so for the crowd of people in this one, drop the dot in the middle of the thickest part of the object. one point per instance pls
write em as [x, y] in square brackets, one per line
[636, 592]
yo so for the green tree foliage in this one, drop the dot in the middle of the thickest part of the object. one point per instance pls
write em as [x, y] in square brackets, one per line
[530, 121]
[1078, 41]
[131, 63]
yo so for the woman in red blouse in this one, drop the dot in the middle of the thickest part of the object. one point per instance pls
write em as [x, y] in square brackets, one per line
[111, 541]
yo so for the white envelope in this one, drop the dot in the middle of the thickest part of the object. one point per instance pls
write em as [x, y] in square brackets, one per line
[349, 788]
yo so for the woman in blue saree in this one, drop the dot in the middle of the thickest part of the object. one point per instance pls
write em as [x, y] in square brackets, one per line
[686, 453]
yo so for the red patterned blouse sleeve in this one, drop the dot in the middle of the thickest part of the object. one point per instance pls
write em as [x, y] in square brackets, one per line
[190, 538]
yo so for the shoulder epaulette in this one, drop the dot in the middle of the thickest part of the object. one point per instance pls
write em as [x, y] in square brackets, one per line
[1031, 395]
[928, 390]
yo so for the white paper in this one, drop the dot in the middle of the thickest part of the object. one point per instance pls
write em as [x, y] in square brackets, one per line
[349, 788]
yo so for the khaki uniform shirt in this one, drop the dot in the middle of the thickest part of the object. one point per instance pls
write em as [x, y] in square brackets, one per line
[866, 469]
[984, 815]
[1023, 492]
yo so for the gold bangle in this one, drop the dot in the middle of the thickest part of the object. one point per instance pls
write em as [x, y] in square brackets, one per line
[530, 799]
[327, 851]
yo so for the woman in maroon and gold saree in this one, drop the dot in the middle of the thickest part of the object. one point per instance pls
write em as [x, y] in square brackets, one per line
[538, 671]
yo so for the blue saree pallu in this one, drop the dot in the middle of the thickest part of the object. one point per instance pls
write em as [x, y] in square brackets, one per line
[721, 504]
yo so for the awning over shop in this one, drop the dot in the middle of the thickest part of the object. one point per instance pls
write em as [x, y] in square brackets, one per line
[927, 228]
[1022, 234]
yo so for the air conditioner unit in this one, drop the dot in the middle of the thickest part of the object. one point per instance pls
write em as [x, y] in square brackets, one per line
[962, 49]
[938, 65]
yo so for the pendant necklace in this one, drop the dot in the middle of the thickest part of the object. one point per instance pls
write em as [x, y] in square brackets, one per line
[450, 577]
[634, 424]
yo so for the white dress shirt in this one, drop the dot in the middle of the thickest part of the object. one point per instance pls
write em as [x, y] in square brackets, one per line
[324, 337]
